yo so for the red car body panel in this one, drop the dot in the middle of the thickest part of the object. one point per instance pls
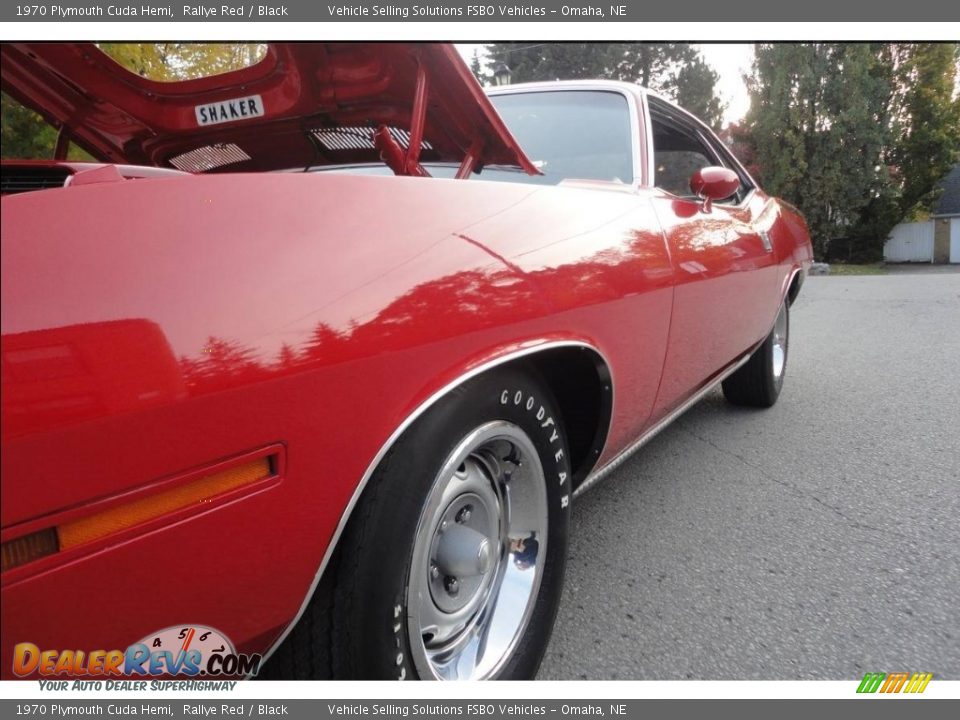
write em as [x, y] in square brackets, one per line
[154, 327]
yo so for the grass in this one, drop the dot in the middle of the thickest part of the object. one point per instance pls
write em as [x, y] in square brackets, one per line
[878, 268]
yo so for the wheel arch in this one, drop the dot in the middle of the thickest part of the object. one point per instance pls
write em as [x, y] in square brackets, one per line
[579, 376]
[793, 285]
[581, 382]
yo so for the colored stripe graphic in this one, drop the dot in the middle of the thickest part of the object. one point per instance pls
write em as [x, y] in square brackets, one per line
[918, 683]
[894, 682]
[871, 682]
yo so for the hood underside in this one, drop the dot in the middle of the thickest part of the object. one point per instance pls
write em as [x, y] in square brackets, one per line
[303, 105]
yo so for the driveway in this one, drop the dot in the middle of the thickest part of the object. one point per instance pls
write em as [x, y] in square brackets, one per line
[819, 539]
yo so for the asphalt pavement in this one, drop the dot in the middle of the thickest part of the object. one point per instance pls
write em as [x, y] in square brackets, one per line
[819, 539]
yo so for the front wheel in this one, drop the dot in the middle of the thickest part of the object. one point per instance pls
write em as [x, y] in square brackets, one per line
[452, 565]
[759, 381]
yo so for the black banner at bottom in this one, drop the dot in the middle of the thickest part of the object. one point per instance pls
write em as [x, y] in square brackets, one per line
[876, 708]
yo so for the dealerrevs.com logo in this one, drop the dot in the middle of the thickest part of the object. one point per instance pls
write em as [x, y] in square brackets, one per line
[181, 650]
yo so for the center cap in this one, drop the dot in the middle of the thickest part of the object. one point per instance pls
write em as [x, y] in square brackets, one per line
[463, 552]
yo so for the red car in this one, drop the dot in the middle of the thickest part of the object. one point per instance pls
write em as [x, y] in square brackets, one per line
[321, 351]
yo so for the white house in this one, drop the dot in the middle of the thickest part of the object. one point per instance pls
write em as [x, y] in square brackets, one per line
[936, 240]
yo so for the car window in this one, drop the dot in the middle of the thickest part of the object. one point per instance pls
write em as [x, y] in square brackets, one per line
[570, 134]
[677, 153]
[681, 147]
[676, 157]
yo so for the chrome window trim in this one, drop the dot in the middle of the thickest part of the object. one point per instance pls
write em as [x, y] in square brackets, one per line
[648, 131]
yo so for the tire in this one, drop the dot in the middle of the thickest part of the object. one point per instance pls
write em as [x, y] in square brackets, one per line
[425, 554]
[759, 381]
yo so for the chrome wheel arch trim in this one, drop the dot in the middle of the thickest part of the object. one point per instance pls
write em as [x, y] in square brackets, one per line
[473, 372]
[785, 290]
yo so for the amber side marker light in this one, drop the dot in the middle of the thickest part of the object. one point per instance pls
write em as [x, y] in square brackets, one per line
[94, 527]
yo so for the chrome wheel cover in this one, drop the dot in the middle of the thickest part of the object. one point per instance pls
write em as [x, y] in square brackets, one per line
[780, 330]
[478, 556]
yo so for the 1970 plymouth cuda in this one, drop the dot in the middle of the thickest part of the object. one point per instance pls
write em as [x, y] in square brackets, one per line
[318, 353]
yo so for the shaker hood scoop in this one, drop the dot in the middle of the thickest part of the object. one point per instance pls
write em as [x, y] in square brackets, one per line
[302, 105]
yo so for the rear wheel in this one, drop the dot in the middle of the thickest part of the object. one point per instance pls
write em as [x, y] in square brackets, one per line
[759, 381]
[452, 564]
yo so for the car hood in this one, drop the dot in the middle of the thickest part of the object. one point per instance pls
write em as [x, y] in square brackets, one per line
[304, 104]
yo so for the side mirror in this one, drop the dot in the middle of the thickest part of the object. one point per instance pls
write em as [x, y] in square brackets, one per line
[714, 183]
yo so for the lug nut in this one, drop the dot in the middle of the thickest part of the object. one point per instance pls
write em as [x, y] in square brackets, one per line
[452, 585]
[464, 514]
[434, 571]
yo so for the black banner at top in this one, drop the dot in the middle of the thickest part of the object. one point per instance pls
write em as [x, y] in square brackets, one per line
[605, 11]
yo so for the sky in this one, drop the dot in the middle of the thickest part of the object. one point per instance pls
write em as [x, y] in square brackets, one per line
[729, 60]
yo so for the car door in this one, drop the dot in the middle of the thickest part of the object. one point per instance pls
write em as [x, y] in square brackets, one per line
[588, 238]
[724, 268]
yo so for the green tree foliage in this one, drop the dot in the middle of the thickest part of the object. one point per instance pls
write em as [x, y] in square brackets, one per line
[183, 61]
[675, 69]
[696, 84]
[553, 61]
[149, 60]
[739, 139]
[23, 133]
[854, 134]
[929, 144]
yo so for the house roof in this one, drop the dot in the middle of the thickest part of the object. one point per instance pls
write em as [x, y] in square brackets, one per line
[949, 203]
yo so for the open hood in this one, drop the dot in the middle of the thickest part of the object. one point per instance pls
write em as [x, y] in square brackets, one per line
[303, 105]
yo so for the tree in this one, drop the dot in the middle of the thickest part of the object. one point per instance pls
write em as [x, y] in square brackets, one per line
[675, 69]
[928, 146]
[183, 61]
[856, 135]
[149, 60]
[739, 139]
[25, 134]
[820, 123]
[476, 68]
[696, 84]
[554, 61]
